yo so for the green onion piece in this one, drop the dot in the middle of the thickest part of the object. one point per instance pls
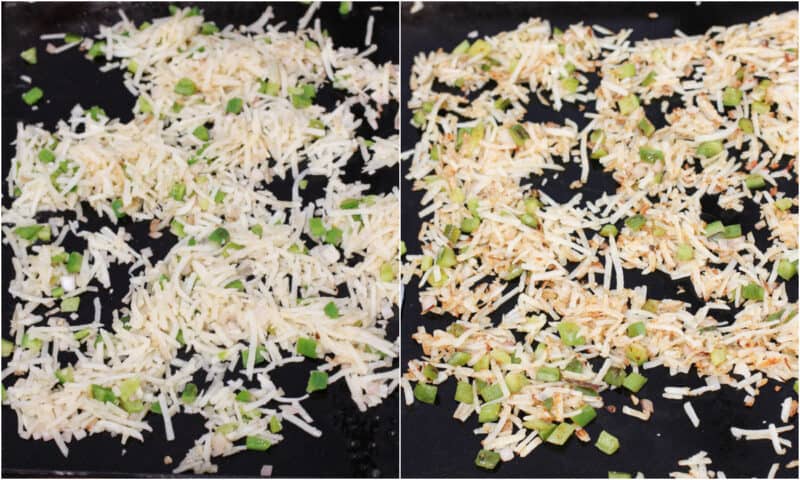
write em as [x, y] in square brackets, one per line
[529, 220]
[586, 415]
[236, 285]
[387, 271]
[179, 335]
[649, 79]
[275, 425]
[96, 50]
[787, 269]
[607, 443]
[548, 374]
[491, 392]
[244, 396]
[128, 387]
[33, 95]
[489, 413]
[234, 106]
[500, 356]
[482, 363]
[647, 127]
[74, 262]
[333, 236]
[714, 228]
[260, 356]
[259, 444]
[29, 55]
[303, 95]
[470, 224]
[82, 334]
[29, 232]
[685, 252]
[425, 393]
[634, 382]
[269, 88]
[568, 331]
[651, 155]
[709, 149]
[628, 105]
[575, 366]
[636, 353]
[185, 87]
[755, 181]
[570, 84]
[479, 47]
[435, 153]
[331, 310]
[103, 394]
[46, 156]
[613, 474]
[72, 38]
[731, 97]
[519, 135]
[516, 382]
[532, 205]
[131, 406]
[626, 70]
[543, 428]
[220, 236]
[201, 133]
[561, 434]
[461, 48]
[349, 204]
[502, 104]
[459, 359]
[178, 191]
[598, 153]
[316, 227]
[783, 204]
[760, 107]
[636, 329]
[430, 372]
[718, 355]
[345, 7]
[452, 233]
[635, 222]
[615, 376]
[33, 344]
[65, 375]
[732, 231]
[219, 197]
[70, 304]
[487, 459]
[464, 393]
[8, 348]
[746, 125]
[176, 228]
[209, 28]
[609, 230]
[753, 291]
[189, 394]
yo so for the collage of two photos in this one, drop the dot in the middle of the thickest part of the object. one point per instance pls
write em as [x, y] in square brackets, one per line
[399, 239]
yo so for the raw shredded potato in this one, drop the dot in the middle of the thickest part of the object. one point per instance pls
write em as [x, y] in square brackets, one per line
[574, 319]
[250, 291]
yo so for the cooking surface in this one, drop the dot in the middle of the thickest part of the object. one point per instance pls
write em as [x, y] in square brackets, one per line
[353, 444]
[436, 445]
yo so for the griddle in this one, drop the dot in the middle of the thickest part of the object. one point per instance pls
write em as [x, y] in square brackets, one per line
[354, 444]
[436, 445]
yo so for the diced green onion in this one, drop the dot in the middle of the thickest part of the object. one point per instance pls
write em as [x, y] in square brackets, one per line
[430, 372]
[685, 252]
[635, 222]
[636, 329]
[220, 236]
[760, 107]
[651, 155]
[609, 230]
[634, 382]
[714, 228]
[259, 356]
[575, 366]
[316, 227]
[519, 135]
[8, 348]
[459, 359]
[74, 262]
[487, 459]
[446, 258]
[103, 394]
[70, 304]
[489, 413]
[470, 224]
[753, 291]
[29, 55]
[128, 387]
[82, 334]
[345, 7]
[649, 79]
[626, 70]
[72, 38]
[731, 97]
[178, 191]
[331, 310]
[269, 88]
[185, 87]
[607, 443]
[209, 28]
[615, 376]
[586, 415]
[303, 95]
[543, 428]
[235, 285]
[29, 232]
[646, 127]
[491, 392]
[613, 474]
[568, 331]
[46, 156]
[189, 394]
[461, 48]
[333, 236]
[33, 95]
[65, 375]
[636, 353]
[783, 204]
[425, 393]
[755, 181]
[464, 393]
[529, 220]
[244, 396]
[96, 50]
[746, 125]
[259, 444]
[548, 374]
[234, 106]
[570, 84]
[561, 434]
[710, 148]
[516, 381]
[628, 104]
[732, 231]
[201, 133]
[275, 425]
[387, 271]
[500, 356]
[787, 269]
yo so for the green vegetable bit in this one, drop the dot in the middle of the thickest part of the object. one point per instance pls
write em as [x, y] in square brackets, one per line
[189, 394]
[636, 353]
[201, 133]
[548, 374]
[220, 236]
[568, 331]
[74, 262]
[33, 95]
[333, 236]
[185, 87]
[634, 382]
[259, 444]
[464, 393]
[307, 347]
[753, 291]
[783, 204]
[714, 228]
[685, 252]
[651, 155]
[103, 394]
[489, 413]
[607, 443]
[615, 377]
[331, 310]
[425, 393]
[487, 459]
[561, 434]
[787, 269]
[628, 104]
[731, 97]
[65, 375]
[209, 28]
[586, 415]
[636, 329]
[755, 181]
[746, 125]
[519, 135]
[609, 230]
[8, 348]
[646, 127]
[709, 149]
[234, 106]
[275, 425]
[626, 70]
[570, 84]
[345, 7]
[732, 231]
[649, 79]
[71, 304]
[635, 222]
[29, 55]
